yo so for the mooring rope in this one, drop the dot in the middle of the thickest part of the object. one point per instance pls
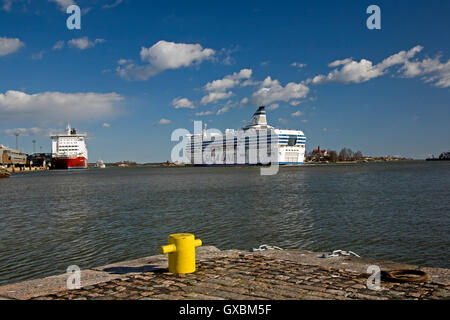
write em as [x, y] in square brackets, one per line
[339, 253]
[265, 247]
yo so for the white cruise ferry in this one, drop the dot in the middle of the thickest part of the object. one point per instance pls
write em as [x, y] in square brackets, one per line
[253, 144]
[69, 150]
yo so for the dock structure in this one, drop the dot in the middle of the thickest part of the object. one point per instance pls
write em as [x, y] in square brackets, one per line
[237, 275]
[17, 161]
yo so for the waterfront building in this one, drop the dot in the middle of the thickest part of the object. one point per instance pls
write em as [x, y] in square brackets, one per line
[9, 157]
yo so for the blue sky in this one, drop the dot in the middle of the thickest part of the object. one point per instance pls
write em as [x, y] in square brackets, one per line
[137, 70]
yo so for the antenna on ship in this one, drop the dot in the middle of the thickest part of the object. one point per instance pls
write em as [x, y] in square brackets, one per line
[68, 128]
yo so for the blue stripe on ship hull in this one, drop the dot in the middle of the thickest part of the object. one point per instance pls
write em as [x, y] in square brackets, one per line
[290, 163]
[77, 168]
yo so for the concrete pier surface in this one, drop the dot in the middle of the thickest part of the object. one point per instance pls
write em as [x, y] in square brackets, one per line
[237, 275]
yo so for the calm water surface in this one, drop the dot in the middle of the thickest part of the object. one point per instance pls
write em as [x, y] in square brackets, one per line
[50, 220]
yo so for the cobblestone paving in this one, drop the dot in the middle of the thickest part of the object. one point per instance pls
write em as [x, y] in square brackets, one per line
[251, 277]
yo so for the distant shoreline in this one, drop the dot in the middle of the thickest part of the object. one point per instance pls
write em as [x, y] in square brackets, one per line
[172, 165]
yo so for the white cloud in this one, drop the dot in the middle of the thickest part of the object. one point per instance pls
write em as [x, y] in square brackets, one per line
[204, 113]
[170, 55]
[244, 101]
[229, 81]
[106, 125]
[282, 120]
[58, 45]
[298, 65]
[63, 4]
[179, 103]
[249, 82]
[432, 70]
[164, 121]
[217, 88]
[353, 71]
[112, 5]
[272, 91]
[221, 85]
[124, 61]
[57, 105]
[33, 132]
[228, 60]
[295, 103]
[165, 55]
[9, 45]
[215, 96]
[274, 106]
[223, 110]
[399, 58]
[338, 63]
[84, 43]
[357, 72]
[297, 114]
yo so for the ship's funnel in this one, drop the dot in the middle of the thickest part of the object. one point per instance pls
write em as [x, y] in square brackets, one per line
[259, 118]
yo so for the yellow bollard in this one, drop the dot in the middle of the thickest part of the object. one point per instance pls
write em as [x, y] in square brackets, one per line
[181, 250]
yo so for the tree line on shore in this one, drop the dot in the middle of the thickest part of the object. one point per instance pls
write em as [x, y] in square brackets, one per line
[346, 154]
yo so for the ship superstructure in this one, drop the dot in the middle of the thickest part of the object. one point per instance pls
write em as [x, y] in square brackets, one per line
[253, 144]
[69, 150]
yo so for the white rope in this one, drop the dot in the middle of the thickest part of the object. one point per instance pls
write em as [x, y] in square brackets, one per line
[264, 247]
[339, 253]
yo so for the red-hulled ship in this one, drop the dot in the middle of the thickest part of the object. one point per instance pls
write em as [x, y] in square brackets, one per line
[69, 150]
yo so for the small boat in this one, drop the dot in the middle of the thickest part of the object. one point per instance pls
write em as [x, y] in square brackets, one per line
[100, 164]
[4, 173]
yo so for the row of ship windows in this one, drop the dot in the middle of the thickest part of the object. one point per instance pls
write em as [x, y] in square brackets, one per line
[257, 137]
[246, 141]
[287, 137]
[296, 150]
[247, 137]
[192, 148]
[246, 145]
[253, 141]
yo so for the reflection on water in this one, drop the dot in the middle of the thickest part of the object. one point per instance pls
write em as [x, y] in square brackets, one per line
[50, 220]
